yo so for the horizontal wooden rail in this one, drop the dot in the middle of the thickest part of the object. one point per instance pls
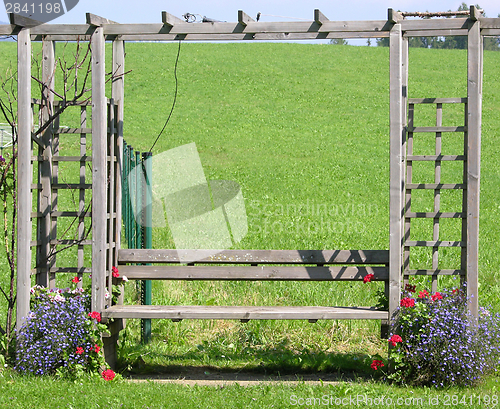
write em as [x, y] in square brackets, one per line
[253, 273]
[255, 256]
[436, 158]
[180, 312]
[435, 272]
[437, 100]
[435, 215]
[433, 129]
[171, 30]
[435, 186]
[434, 243]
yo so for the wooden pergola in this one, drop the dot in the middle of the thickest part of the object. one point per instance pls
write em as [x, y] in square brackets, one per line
[391, 266]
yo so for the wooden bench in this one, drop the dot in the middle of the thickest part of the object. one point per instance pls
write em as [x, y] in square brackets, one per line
[252, 265]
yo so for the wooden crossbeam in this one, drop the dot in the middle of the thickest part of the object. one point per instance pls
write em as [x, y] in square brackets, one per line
[255, 256]
[94, 20]
[244, 18]
[169, 19]
[254, 273]
[179, 312]
[319, 17]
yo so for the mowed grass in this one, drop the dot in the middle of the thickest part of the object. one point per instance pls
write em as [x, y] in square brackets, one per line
[304, 130]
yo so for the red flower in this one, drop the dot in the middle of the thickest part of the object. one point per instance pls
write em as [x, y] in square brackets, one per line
[393, 340]
[108, 375]
[376, 364]
[114, 272]
[367, 278]
[436, 296]
[79, 350]
[423, 294]
[97, 348]
[407, 302]
[95, 316]
[410, 288]
[75, 280]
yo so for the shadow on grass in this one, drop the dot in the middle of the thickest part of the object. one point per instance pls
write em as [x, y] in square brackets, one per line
[208, 362]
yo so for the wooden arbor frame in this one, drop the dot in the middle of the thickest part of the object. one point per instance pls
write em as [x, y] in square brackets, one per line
[107, 133]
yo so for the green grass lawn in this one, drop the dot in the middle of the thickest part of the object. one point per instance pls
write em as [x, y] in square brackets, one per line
[304, 130]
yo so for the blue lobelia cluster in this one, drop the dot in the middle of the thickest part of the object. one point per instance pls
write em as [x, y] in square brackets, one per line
[442, 344]
[58, 337]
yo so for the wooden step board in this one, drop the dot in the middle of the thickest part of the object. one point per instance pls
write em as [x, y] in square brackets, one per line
[321, 257]
[180, 312]
[253, 273]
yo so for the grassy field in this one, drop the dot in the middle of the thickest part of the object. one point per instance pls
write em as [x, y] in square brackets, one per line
[303, 129]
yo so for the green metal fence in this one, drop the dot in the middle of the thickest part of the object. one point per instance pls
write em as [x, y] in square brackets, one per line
[137, 217]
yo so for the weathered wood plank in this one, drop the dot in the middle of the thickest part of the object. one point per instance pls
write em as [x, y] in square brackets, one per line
[24, 176]
[435, 33]
[397, 145]
[242, 313]
[169, 19]
[434, 24]
[434, 158]
[73, 130]
[255, 256]
[433, 215]
[253, 273]
[435, 186]
[99, 171]
[95, 20]
[44, 202]
[433, 129]
[434, 243]
[437, 100]
[319, 17]
[244, 18]
[474, 95]
[435, 272]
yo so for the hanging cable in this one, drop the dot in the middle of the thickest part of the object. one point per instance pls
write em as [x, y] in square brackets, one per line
[175, 98]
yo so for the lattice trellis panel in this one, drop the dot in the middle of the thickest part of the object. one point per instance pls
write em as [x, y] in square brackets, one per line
[436, 213]
[63, 198]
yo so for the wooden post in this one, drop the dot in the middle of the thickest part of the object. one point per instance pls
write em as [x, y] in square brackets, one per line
[397, 167]
[99, 173]
[44, 206]
[118, 93]
[24, 175]
[474, 98]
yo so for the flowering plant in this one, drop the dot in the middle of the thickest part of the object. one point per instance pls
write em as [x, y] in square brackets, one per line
[59, 336]
[437, 342]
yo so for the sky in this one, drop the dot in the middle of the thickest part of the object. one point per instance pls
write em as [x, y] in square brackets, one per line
[149, 11]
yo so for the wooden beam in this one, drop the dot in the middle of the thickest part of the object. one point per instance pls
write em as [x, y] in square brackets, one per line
[319, 17]
[118, 94]
[44, 225]
[255, 256]
[244, 18]
[170, 20]
[397, 168]
[253, 273]
[394, 16]
[474, 96]
[179, 312]
[475, 13]
[24, 175]
[99, 171]
[22, 21]
[97, 21]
